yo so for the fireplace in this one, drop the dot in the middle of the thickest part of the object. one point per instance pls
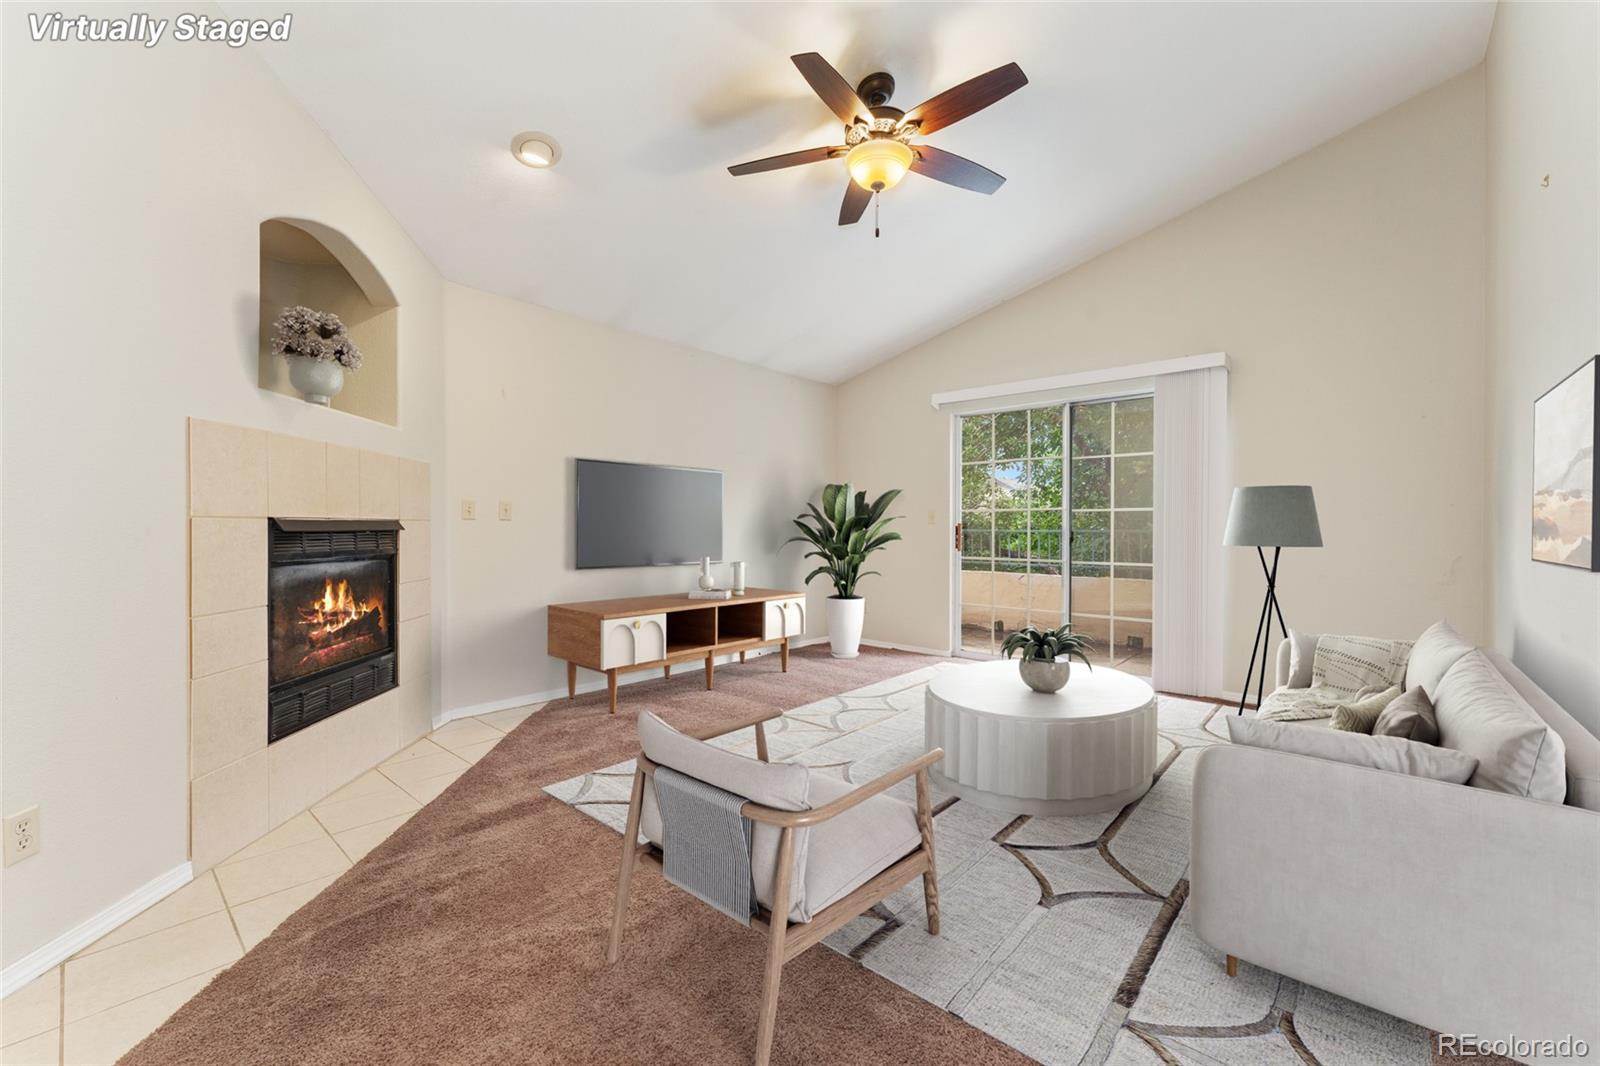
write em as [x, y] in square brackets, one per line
[330, 618]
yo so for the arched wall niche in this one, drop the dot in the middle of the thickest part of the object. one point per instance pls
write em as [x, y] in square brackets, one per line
[312, 264]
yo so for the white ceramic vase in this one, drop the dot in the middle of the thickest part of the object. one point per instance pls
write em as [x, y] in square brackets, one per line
[707, 582]
[319, 380]
[844, 626]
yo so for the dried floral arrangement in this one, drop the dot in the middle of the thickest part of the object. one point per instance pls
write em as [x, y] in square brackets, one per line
[301, 332]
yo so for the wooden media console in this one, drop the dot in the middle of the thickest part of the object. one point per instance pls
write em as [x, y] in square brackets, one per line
[640, 632]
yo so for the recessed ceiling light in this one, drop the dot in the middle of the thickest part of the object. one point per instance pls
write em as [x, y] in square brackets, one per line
[537, 150]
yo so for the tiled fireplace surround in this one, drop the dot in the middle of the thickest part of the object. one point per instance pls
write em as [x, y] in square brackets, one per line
[239, 786]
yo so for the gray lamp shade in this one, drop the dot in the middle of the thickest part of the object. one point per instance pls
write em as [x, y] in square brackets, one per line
[1273, 516]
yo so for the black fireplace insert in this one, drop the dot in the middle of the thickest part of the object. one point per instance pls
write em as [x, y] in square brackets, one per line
[330, 617]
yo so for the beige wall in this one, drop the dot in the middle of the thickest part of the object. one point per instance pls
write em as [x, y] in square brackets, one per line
[1347, 288]
[530, 390]
[1544, 319]
[134, 184]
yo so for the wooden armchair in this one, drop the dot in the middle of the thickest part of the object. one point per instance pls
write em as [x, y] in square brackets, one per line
[815, 865]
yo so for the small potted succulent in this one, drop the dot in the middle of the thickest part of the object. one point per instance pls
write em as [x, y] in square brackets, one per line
[319, 350]
[1047, 655]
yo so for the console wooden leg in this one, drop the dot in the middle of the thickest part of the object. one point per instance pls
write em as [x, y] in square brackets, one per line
[741, 657]
[666, 670]
[611, 689]
[711, 661]
[572, 681]
[1233, 966]
[783, 654]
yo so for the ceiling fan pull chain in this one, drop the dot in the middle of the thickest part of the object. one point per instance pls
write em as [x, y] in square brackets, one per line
[877, 199]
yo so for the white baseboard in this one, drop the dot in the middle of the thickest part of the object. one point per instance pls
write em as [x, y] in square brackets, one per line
[594, 684]
[919, 649]
[80, 936]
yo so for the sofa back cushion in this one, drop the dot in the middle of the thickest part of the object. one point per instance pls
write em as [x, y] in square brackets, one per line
[1393, 754]
[1481, 714]
[1582, 747]
[785, 786]
[1435, 652]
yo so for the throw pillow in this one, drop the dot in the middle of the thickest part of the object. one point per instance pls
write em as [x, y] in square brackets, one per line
[1435, 652]
[1302, 650]
[1481, 714]
[1349, 664]
[1409, 715]
[1359, 715]
[1391, 754]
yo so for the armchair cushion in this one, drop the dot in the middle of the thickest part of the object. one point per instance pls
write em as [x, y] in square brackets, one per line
[831, 858]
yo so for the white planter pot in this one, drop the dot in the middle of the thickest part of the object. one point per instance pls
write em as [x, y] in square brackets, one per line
[844, 626]
[319, 380]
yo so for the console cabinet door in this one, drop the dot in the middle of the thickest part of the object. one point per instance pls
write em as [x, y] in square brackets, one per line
[784, 618]
[794, 618]
[627, 641]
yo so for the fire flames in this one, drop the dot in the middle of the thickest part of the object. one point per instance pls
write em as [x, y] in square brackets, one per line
[335, 610]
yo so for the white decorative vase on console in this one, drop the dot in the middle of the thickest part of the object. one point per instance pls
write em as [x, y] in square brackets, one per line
[707, 582]
[319, 380]
[844, 625]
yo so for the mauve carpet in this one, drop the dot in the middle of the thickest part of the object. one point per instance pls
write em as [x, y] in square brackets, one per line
[475, 933]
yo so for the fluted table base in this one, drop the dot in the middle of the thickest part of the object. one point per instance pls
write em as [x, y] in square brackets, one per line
[1090, 747]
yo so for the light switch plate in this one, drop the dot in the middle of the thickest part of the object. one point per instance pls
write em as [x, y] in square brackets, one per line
[469, 510]
[22, 835]
[505, 510]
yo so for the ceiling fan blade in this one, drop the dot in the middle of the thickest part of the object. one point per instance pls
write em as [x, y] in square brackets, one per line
[855, 204]
[953, 105]
[954, 170]
[831, 86]
[788, 159]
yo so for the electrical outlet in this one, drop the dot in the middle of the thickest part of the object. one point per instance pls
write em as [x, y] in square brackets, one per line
[505, 510]
[469, 510]
[22, 835]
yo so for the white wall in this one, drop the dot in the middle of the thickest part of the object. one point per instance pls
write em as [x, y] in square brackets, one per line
[1347, 288]
[530, 390]
[1544, 319]
[135, 180]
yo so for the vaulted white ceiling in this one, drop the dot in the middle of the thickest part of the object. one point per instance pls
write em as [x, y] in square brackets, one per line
[1134, 114]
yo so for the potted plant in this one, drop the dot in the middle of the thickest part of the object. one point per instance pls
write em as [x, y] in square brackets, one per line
[319, 351]
[842, 533]
[1047, 655]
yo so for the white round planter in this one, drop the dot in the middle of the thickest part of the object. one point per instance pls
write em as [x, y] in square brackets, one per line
[844, 626]
[319, 380]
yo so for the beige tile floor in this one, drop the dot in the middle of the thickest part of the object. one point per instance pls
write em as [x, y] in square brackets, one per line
[95, 1006]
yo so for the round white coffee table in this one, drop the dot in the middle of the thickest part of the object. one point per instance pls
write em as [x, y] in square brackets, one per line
[1090, 747]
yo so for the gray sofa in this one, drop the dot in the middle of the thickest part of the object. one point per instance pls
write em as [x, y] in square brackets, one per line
[1461, 909]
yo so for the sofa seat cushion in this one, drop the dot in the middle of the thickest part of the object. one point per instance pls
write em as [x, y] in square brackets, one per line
[1481, 714]
[1358, 749]
[1434, 653]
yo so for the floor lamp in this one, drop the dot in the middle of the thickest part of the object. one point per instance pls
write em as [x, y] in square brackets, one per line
[1276, 517]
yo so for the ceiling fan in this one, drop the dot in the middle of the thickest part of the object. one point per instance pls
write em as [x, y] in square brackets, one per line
[878, 148]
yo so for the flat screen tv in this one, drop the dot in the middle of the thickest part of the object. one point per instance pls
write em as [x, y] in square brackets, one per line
[636, 514]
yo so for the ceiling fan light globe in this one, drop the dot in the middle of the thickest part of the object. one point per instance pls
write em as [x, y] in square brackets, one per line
[879, 164]
[537, 150]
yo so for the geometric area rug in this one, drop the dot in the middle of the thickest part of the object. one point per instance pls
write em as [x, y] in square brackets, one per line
[1067, 938]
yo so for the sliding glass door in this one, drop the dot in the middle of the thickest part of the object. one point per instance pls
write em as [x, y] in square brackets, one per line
[1011, 523]
[1053, 492]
